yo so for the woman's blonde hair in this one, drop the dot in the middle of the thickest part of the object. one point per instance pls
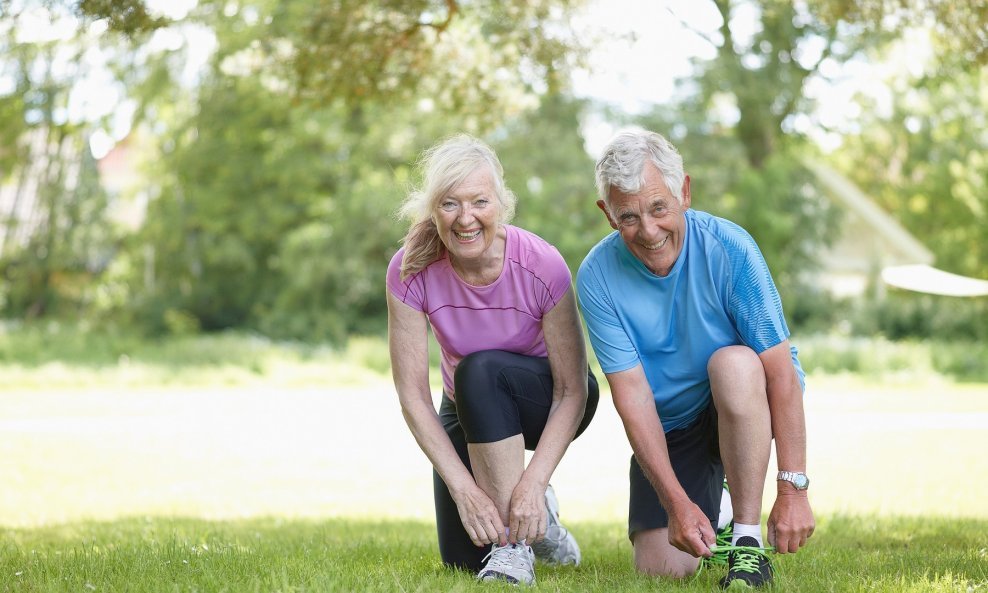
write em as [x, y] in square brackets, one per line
[443, 167]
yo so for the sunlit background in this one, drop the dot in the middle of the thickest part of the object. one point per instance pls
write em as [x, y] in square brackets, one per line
[197, 209]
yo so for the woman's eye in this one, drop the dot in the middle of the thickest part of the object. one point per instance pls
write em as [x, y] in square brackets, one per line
[448, 206]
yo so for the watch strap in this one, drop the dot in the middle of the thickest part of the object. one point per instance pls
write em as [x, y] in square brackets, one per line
[797, 479]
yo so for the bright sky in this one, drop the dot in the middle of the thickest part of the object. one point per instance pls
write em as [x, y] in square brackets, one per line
[640, 48]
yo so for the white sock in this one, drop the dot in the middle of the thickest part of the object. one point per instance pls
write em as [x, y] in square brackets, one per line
[742, 530]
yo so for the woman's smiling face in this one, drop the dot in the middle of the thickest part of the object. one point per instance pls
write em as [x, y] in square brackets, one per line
[468, 216]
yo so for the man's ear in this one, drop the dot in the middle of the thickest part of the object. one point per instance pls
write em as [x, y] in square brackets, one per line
[607, 213]
[687, 198]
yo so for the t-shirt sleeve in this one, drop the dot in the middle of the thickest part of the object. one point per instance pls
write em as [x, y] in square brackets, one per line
[410, 290]
[610, 341]
[556, 277]
[754, 301]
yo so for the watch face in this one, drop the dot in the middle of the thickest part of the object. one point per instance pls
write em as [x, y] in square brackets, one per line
[800, 481]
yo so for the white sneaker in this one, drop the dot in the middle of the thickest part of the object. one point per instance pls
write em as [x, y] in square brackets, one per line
[559, 546]
[514, 563]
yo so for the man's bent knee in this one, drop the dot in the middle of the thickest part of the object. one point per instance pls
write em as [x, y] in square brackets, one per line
[735, 360]
[655, 556]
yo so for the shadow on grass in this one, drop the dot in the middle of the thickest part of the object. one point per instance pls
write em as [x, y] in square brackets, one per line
[270, 554]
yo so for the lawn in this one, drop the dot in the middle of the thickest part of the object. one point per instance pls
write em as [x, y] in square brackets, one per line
[340, 555]
[260, 470]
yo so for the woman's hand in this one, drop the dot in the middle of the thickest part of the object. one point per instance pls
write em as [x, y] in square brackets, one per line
[480, 517]
[527, 514]
[409, 346]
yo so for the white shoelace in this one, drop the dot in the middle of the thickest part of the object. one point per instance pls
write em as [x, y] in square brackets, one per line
[508, 558]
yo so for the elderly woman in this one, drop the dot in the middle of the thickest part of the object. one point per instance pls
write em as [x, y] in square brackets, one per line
[500, 302]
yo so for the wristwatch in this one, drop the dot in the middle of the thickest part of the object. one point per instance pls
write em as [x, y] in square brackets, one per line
[798, 480]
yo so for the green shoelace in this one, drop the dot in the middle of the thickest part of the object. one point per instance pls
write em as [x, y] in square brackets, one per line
[724, 538]
[748, 557]
[748, 562]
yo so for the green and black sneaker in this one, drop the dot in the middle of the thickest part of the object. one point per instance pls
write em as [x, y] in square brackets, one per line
[749, 565]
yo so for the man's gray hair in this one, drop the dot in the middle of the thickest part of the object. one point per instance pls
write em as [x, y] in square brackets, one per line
[622, 164]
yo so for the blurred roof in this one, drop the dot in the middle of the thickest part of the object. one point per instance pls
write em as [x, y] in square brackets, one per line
[847, 194]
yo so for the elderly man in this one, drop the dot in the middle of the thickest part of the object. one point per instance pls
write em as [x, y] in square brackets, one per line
[688, 327]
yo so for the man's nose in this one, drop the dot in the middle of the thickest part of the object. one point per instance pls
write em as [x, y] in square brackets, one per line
[649, 227]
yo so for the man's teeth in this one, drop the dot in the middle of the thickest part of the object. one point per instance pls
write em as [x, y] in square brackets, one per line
[467, 235]
[656, 245]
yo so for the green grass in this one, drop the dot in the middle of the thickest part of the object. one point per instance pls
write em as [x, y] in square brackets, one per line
[228, 463]
[60, 355]
[902, 361]
[56, 355]
[153, 555]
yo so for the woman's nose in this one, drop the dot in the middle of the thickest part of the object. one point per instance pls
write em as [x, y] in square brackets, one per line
[465, 213]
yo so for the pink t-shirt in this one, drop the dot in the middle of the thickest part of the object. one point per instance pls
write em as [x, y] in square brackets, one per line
[505, 315]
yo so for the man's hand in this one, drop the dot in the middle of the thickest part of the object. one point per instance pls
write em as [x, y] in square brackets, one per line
[791, 522]
[690, 531]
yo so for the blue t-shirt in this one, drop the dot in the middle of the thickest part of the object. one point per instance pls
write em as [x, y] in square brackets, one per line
[719, 293]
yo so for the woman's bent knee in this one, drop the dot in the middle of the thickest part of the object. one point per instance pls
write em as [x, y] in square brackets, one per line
[477, 367]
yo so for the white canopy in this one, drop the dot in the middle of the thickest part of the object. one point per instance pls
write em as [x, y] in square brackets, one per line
[924, 278]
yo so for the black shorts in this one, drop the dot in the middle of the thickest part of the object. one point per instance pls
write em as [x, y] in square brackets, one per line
[498, 395]
[695, 455]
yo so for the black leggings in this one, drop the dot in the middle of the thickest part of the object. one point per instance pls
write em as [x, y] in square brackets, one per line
[498, 395]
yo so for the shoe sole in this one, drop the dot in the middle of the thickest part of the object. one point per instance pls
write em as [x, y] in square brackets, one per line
[504, 578]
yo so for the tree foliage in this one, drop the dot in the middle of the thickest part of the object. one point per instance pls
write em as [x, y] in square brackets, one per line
[756, 83]
[961, 28]
[275, 169]
[735, 132]
[129, 16]
[277, 187]
[54, 232]
[474, 57]
[547, 166]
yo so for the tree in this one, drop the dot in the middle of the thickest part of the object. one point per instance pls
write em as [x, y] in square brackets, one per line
[276, 189]
[756, 83]
[54, 230]
[475, 58]
[547, 166]
[734, 127]
[960, 28]
[749, 99]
